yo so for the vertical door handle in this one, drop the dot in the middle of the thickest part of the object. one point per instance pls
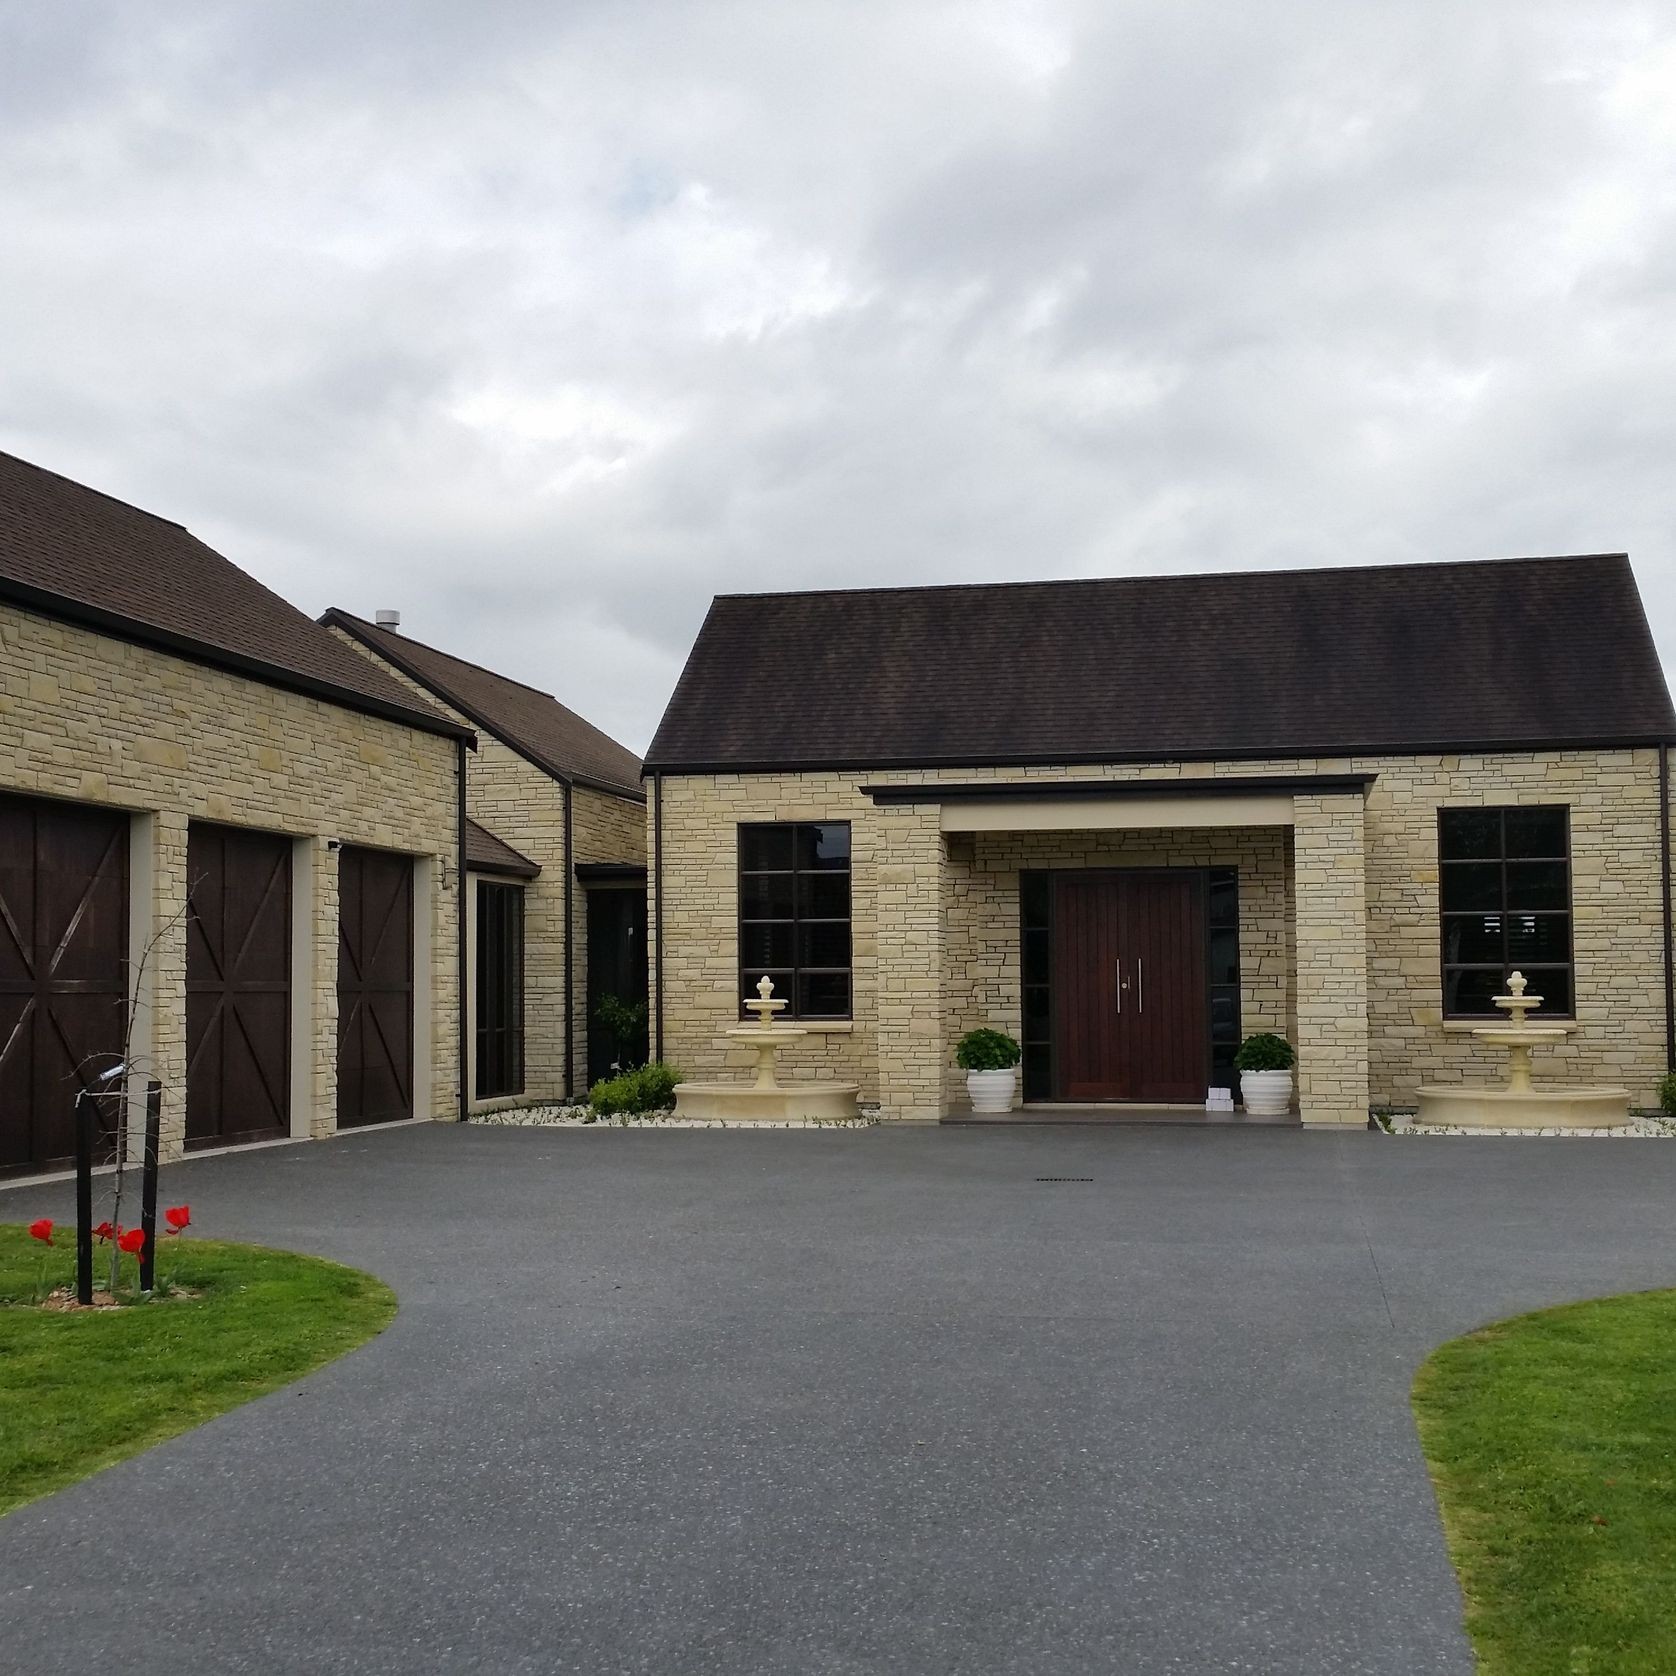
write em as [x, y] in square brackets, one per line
[1140, 988]
[1120, 986]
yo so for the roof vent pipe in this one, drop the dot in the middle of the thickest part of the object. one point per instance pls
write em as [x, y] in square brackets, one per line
[391, 620]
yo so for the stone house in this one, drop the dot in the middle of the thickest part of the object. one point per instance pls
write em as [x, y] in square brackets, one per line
[1130, 822]
[219, 825]
[556, 873]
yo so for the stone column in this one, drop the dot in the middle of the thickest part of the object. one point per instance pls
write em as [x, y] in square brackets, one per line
[1330, 889]
[910, 885]
[322, 977]
[162, 949]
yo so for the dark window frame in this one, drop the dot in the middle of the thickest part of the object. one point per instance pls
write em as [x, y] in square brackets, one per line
[1223, 1045]
[498, 1032]
[789, 990]
[1505, 914]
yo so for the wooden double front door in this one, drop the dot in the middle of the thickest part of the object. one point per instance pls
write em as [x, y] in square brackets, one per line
[1131, 1015]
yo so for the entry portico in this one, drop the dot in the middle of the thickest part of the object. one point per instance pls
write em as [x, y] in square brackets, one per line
[1128, 933]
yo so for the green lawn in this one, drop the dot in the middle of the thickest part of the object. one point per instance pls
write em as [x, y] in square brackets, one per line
[79, 1391]
[1552, 1443]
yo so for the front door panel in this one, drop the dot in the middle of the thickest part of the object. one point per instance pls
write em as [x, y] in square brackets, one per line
[1167, 1027]
[1088, 996]
[1129, 986]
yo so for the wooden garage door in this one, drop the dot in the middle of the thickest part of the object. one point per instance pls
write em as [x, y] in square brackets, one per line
[63, 969]
[238, 986]
[375, 987]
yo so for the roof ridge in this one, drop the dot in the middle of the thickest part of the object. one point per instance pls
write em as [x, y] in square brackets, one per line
[88, 489]
[1170, 576]
[454, 657]
[567, 760]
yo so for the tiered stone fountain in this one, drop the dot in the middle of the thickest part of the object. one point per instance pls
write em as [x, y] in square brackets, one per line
[766, 1100]
[1522, 1103]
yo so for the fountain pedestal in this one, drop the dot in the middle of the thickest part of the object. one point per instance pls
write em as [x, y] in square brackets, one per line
[766, 1099]
[1522, 1103]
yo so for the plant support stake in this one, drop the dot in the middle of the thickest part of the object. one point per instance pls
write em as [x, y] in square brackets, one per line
[148, 1183]
[84, 1197]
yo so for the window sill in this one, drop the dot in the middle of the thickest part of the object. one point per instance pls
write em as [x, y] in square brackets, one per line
[479, 1104]
[825, 1026]
[1462, 1026]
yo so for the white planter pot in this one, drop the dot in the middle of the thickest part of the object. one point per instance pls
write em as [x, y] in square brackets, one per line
[992, 1091]
[1266, 1093]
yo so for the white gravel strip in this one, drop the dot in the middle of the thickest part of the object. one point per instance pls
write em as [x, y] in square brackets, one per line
[1638, 1129]
[583, 1117]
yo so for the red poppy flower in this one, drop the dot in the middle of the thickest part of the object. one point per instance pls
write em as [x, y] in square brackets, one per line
[41, 1230]
[178, 1217]
[105, 1232]
[132, 1241]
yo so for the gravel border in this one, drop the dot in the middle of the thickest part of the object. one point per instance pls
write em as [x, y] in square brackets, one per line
[1637, 1129]
[584, 1117]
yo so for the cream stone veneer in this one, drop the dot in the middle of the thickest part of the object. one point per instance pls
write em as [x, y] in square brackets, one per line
[524, 806]
[97, 720]
[1339, 926]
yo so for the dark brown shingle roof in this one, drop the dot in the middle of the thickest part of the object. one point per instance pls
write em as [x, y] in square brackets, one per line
[485, 853]
[71, 552]
[1403, 658]
[531, 722]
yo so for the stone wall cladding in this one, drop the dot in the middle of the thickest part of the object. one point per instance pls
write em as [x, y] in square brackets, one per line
[701, 816]
[1329, 882]
[97, 720]
[1618, 924]
[524, 805]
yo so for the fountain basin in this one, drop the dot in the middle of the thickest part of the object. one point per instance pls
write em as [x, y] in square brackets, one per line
[767, 1099]
[1464, 1106]
[734, 1102]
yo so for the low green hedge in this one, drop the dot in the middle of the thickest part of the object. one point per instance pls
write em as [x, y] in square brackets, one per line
[647, 1088]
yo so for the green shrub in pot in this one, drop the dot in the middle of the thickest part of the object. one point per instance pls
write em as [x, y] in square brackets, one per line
[1264, 1063]
[1265, 1052]
[989, 1058]
[987, 1050]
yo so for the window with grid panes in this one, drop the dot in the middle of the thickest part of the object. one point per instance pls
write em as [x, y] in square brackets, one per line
[794, 915]
[1504, 891]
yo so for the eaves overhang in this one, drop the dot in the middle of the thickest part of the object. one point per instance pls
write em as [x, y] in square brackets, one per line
[66, 609]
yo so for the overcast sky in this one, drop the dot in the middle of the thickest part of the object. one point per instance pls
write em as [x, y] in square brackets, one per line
[544, 322]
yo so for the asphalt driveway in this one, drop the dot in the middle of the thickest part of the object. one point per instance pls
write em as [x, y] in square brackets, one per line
[837, 1401]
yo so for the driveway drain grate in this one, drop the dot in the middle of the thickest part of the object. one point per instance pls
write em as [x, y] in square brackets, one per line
[1064, 1178]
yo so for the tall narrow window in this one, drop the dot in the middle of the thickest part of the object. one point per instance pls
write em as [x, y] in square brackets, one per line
[1504, 886]
[500, 990]
[1035, 904]
[794, 915]
[1222, 931]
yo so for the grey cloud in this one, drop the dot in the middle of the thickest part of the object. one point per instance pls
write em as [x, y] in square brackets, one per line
[545, 323]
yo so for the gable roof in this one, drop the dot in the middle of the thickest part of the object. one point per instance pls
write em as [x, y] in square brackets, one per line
[70, 552]
[485, 853]
[529, 721]
[1502, 653]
